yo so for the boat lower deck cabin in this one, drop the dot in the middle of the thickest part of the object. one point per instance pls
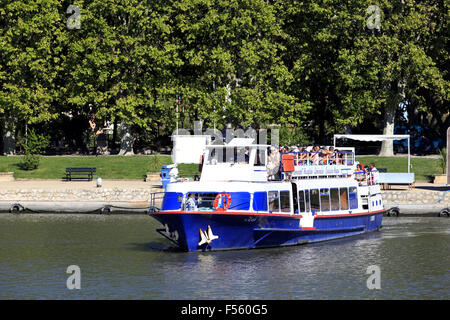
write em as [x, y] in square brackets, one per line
[321, 196]
[241, 176]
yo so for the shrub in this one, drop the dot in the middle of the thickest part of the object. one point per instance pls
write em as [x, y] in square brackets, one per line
[30, 162]
[33, 145]
[155, 163]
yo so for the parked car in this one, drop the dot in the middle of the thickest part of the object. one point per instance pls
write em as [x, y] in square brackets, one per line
[422, 140]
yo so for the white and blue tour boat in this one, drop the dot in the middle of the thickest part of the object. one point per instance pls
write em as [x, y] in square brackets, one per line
[251, 196]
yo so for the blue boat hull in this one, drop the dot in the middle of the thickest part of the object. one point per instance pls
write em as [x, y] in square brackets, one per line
[252, 230]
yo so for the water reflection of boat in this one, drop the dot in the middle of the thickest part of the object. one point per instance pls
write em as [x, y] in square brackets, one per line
[237, 205]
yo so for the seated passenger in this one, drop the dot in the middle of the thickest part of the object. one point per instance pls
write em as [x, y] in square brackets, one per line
[315, 155]
[332, 155]
[325, 156]
[301, 156]
[360, 174]
[273, 164]
[338, 157]
[191, 203]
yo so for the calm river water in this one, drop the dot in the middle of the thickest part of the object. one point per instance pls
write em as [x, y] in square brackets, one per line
[122, 257]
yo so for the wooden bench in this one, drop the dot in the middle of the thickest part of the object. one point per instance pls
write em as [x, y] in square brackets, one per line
[80, 173]
[386, 179]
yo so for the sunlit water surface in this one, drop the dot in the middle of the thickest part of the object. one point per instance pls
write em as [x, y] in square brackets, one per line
[122, 257]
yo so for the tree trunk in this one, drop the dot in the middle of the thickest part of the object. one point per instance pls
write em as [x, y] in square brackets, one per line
[396, 96]
[9, 137]
[387, 146]
[113, 147]
[126, 140]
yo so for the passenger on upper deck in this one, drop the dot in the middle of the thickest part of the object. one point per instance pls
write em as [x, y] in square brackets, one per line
[327, 154]
[246, 155]
[339, 157]
[374, 174]
[332, 155]
[302, 156]
[360, 174]
[315, 155]
[273, 165]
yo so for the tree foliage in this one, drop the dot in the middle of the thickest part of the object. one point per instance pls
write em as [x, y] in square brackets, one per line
[313, 66]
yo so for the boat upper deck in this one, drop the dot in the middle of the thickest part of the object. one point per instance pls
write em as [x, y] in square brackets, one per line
[241, 160]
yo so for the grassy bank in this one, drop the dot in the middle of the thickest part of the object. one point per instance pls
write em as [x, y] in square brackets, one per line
[136, 167]
[423, 168]
[108, 167]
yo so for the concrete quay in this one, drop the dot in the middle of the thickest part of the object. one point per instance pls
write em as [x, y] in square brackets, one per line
[426, 199]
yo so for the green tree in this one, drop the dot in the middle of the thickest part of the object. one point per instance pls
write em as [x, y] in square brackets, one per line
[31, 40]
[119, 62]
[235, 48]
[392, 65]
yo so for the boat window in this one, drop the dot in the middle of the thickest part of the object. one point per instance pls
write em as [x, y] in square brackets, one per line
[216, 155]
[315, 201]
[325, 199]
[353, 198]
[260, 159]
[202, 201]
[274, 201]
[285, 201]
[343, 196]
[241, 155]
[334, 197]
[260, 201]
[229, 155]
[307, 207]
[172, 201]
[301, 200]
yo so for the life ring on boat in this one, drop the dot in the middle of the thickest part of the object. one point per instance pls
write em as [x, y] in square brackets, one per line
[220, 204]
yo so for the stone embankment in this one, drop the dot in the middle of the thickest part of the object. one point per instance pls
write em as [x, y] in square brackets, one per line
[100, 194]
[421, 201]
[424, 200]
[81, 196]
[416, 197]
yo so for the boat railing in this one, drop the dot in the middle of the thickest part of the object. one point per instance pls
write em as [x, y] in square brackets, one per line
[366, 178]
[156, 200]
[298, 165]
[310, 158]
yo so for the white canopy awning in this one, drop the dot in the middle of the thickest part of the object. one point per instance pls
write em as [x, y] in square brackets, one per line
[376, 137]
[372, 137]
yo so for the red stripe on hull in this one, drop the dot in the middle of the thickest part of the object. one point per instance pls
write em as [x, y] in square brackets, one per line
[270, 214]
[348, 214]
[231, 213]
